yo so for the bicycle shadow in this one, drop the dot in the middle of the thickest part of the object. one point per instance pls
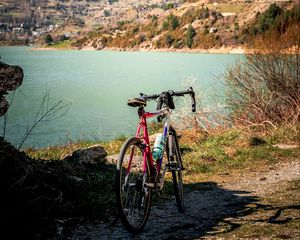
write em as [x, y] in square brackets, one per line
[207, 206]
[210, 210]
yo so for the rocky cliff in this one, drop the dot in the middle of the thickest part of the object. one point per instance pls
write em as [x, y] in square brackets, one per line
[11, 77]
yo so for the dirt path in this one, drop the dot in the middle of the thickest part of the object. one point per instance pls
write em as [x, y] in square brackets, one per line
[211, 208]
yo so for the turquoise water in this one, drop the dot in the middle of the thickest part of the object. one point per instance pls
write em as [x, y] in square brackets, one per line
[98, 84]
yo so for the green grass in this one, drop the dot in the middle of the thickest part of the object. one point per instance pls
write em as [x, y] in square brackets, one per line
[215, 153]
[58, 152]
[67, 44]
[232, 150]
[286, 135]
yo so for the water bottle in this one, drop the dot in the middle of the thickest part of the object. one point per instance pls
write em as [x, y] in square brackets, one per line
[158, 147]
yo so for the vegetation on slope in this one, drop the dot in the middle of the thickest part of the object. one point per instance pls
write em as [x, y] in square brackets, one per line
[200, 26]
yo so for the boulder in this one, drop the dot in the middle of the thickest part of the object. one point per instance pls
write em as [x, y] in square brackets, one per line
[11, 77]
[112, 159]
[3, 105]
[90, 155]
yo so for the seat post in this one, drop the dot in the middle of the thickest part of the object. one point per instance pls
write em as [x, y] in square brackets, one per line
[141, 111]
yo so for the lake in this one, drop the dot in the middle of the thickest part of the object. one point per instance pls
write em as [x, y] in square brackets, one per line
[97, 84]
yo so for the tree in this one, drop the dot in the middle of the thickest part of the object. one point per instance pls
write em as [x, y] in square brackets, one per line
[48, 39]
[190, 34]
[171, 23]
[169, 39]
[267, 19]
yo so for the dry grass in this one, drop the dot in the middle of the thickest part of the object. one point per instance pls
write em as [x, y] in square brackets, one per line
[232, 8]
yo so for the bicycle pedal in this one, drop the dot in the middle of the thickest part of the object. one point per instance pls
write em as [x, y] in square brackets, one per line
[149, 185]
[174, 169]
[171, 164]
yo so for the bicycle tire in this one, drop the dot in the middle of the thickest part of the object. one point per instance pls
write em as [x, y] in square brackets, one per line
[132, 197]
[177, 174]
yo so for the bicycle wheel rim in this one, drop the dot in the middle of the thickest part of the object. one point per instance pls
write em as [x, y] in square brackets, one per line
[132, 197]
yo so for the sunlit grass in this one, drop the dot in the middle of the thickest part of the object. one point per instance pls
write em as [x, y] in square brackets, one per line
[67, 44]
[59, 152]
[232, 150]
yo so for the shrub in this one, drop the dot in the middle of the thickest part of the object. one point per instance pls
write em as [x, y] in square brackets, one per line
[236, 26]
[168, 6]
[190, 34]
[171, 23]
[106, 13]
[265, 87]
[169, 39]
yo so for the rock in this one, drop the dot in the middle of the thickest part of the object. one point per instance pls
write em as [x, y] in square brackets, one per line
[12, 164]
[89, 155]
[3, 106]
[256, 141]
[286, 146]
[11, 77]
[112, 159]
[213, 30]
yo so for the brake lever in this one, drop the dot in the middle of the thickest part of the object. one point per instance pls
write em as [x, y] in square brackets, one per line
[143, 96]
[192, 94]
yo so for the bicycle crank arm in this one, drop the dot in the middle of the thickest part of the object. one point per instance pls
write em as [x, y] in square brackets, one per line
[149, 185]
[173, 167]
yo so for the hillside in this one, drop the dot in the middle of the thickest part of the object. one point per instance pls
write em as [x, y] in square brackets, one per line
[198, 25]
[27, 21]
[132, 24]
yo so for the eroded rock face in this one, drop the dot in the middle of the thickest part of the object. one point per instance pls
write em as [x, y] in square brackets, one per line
[11, 77]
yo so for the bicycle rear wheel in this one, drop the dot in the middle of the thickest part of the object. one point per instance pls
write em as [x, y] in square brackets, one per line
[176, 168]
[133, 198]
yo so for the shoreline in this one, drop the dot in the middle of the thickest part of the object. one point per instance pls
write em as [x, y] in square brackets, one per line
[222, 50]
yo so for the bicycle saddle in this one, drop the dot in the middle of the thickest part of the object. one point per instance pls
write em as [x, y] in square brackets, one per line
[136, 102]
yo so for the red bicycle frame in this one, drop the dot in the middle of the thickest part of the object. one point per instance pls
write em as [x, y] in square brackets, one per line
[142, 128]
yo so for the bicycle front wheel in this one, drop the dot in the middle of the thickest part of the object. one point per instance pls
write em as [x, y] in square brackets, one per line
[175, 163]
[133, 198]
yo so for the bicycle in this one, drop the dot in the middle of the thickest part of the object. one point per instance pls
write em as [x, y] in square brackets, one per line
[137, 173]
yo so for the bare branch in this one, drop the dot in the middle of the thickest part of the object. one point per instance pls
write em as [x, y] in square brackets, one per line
[46, 113]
